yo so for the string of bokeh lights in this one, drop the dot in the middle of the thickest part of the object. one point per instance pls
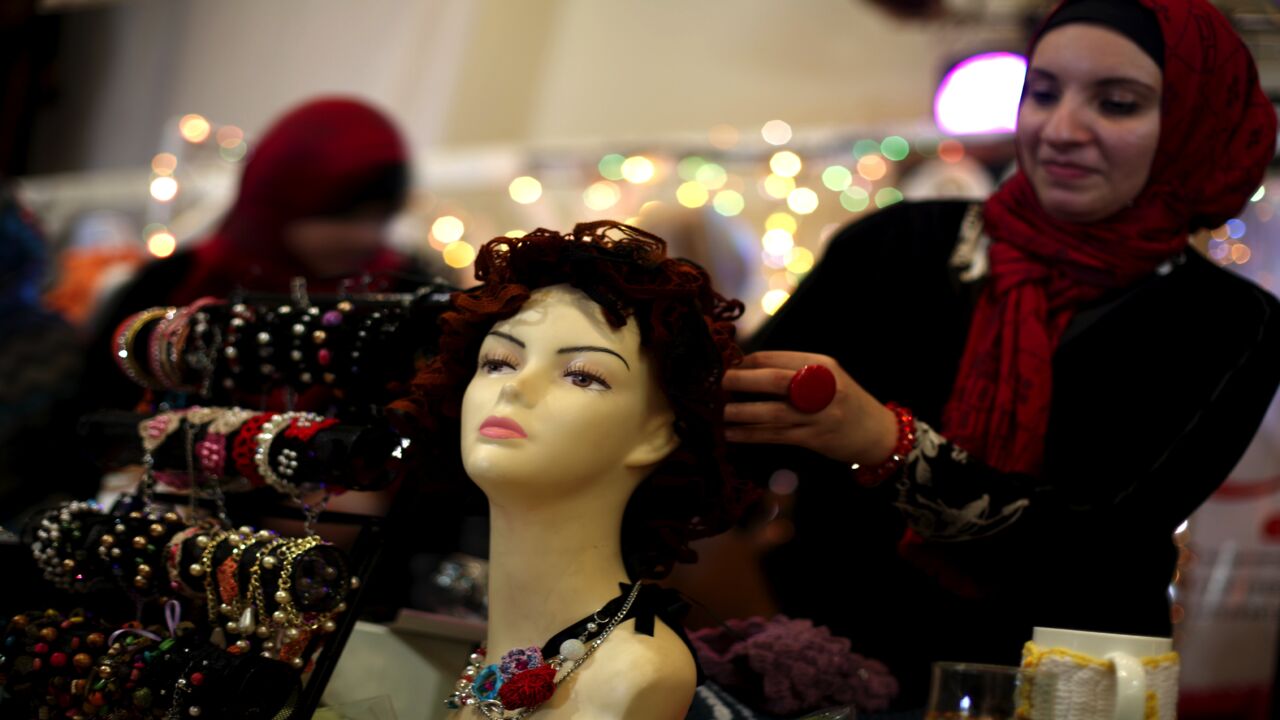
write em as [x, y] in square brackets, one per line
[164, 187]
[778, 183]
[785, 187]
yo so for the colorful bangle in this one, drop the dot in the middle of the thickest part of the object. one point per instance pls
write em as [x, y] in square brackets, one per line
[286, 459]
[305, 428]
[211, 452]
[173, 552]
[126, 356]
[156, 429]
[135, 548]
[873, 475]
[281, 615]
[230, 420]
[158, 356]
[179, 331]
[244, 447]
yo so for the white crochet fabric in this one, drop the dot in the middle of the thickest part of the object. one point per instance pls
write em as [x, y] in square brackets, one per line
[1080, 687]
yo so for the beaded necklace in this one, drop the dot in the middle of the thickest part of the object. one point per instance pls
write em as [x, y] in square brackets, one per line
[523, 679]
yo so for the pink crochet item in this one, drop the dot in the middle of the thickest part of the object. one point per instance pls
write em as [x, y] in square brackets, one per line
[784, 666]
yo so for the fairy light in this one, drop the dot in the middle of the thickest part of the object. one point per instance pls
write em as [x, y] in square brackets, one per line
[194, 128]
[888, 196]
[855, 199]
[785, 163]
[800, 260]
[729, 203]
[895, 148]
[164, 188]
[692, 195]
[447, 229]
[802, 200]
[773, 300]
[776, 132]
[872, 167]
[162, 244]
[229, 136]
[950, 151]
[779, 186]
[610, 166]
[837, 178]
[777, 242]
[525, 190]
[601, 195]
[781, 221]
[164, 163]
[459, 254]
[711, 176]
[637, 169]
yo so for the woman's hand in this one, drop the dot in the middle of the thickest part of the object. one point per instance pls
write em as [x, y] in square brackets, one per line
[855, 427]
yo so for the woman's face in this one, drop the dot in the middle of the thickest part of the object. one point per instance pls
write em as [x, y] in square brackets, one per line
[561, 399]
[333, 247]
[1089, 121]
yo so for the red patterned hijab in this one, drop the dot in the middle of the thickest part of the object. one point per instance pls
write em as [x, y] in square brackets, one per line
[323, 158]
[1217, 135]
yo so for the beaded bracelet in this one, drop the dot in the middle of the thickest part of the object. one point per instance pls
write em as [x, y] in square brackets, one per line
[286, 459]
[205, 570]
[244, 448]
[59, 549]
[294, 627]
[241, 314]
[47, 662]
[872, 475]
[174, 551]
[136, 546]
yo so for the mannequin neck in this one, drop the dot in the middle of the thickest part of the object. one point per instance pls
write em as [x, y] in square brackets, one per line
[553, 562]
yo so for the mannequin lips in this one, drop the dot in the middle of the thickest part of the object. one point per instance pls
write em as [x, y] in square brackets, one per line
[500, 428]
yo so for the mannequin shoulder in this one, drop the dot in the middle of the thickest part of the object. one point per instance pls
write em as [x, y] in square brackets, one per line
[637, 677]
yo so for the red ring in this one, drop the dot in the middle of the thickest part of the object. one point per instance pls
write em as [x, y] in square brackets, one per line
[812, 388]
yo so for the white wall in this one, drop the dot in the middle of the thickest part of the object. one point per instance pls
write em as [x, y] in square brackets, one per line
[463, 73]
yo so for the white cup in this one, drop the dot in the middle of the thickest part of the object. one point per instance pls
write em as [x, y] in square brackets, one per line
[1125, 652]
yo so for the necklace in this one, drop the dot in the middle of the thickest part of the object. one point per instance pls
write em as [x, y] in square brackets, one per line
[523, 679]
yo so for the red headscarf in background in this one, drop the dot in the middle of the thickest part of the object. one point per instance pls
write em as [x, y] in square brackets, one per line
[311, 163]
[1217, 135]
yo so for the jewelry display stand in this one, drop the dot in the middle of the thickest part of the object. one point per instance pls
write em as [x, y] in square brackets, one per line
[112, 437]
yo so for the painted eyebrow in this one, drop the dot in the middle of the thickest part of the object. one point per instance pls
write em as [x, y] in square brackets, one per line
[563, 351]
[512, 338]
[593, 348]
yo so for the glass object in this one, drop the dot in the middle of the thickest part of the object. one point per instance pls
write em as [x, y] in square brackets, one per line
[971, 691]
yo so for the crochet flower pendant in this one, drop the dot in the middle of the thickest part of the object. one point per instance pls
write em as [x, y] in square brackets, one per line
[529, 688]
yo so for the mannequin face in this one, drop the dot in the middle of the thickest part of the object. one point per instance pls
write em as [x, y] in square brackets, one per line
[1089, 121]
[562, 402]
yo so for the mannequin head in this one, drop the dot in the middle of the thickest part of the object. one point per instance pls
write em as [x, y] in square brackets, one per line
[563, 404]
[608, 355]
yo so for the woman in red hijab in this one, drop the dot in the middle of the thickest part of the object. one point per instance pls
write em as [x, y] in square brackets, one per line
[1073, 380]
[315, 196]
[314, 202]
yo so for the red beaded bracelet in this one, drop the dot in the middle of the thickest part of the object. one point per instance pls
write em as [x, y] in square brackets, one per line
[873, 475]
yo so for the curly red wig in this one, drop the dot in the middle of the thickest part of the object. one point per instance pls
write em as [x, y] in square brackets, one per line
[685, 326]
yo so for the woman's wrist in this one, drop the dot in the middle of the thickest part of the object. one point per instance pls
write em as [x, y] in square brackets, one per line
[891, 438]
